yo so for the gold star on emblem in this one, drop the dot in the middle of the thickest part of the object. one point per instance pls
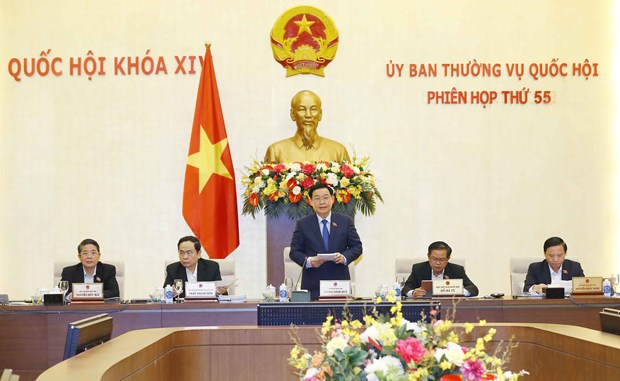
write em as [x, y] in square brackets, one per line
[304, 25]
[209, 160]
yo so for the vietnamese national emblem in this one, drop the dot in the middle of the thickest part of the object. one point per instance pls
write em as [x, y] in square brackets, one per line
[304, 40]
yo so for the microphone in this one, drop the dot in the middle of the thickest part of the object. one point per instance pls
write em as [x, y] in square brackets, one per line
[303, 266]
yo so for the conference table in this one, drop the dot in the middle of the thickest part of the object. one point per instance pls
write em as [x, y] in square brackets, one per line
[33, 336]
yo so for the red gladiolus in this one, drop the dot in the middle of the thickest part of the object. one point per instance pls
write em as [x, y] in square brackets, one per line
[269, 167]
[307, 183]
[254, 200]
[279, 168]
[307, 168]
[346, 171]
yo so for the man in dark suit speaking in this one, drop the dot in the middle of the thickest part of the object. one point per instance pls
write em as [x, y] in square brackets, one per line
[437, 267]
[323, 233]
[555, 266]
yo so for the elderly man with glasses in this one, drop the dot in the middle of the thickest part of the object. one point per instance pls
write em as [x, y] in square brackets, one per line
[437, 267]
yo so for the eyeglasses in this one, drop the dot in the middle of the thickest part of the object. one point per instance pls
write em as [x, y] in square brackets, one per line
[321, 199]
[438, 260]
[89, 253]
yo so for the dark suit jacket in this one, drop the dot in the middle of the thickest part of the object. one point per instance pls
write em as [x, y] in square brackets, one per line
[105, 274]
[422, 271]
[538, 272]
[307, 242]
[208, 271]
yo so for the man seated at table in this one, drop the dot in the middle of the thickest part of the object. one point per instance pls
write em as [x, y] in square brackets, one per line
[437, 267]
[191, 267]
[555, 266]
[327, 233]
[90, 270]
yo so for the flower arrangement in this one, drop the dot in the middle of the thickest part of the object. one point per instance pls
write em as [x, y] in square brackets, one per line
[283, 187]
[390, 348]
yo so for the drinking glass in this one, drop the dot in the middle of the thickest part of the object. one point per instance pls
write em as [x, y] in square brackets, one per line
[177, 286]
[63, 285]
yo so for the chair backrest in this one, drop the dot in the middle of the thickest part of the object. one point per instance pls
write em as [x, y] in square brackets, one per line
[293, 270]
[402, 266]
[120, 272]
[518, 272]
[228, 271]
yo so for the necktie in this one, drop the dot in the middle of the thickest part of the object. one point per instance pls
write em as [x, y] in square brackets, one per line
[325, 235]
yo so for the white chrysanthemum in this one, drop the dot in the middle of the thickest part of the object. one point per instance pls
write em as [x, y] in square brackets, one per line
[265, 172]
[370, 332]
[387, 364]
[289, 176]
[311, 372]
[332, 179]
[296, 167]
[356, 170]
[413, 326]
[454, 354]
[335, 166]
[337, 342]
[296, 190]
[321, 167]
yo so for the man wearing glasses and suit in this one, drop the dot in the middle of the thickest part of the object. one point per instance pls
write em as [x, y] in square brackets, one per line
[437, 267]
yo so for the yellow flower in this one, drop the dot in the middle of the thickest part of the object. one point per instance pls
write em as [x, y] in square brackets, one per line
[445, 365]
[468, 327]
[483, 322]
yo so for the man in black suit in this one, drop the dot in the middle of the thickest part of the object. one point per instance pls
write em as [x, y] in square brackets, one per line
[90, 270]
[324, 233]
[191, 267]
[555, 266]
[437, 267]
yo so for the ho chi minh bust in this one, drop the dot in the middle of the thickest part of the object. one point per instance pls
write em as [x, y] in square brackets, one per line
[306, 145]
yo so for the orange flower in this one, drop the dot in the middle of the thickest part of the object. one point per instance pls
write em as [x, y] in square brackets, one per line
[317, 359]
[291, 183]
[254, 200]
[293, 198]
[346, 196]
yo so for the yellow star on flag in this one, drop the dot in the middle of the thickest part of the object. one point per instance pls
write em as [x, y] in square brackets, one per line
[304, 25]
[209, 160]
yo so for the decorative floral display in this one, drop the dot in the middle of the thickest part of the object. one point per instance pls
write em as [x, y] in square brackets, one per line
[390, 348]
[280, 188]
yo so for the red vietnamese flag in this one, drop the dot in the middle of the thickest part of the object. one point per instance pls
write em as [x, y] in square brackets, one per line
[209, 197]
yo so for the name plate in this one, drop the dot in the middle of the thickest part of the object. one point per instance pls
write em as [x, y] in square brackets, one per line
[588, 285]
[335, 288]
[87, 291]
[448, 287]
[199, 290]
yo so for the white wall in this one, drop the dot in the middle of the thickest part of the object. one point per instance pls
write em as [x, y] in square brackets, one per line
[105, 158]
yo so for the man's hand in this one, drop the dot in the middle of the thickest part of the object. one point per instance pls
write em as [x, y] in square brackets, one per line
[419, 292]
[221, 290]
[316, 262]
[339, 258]
[539, 288]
